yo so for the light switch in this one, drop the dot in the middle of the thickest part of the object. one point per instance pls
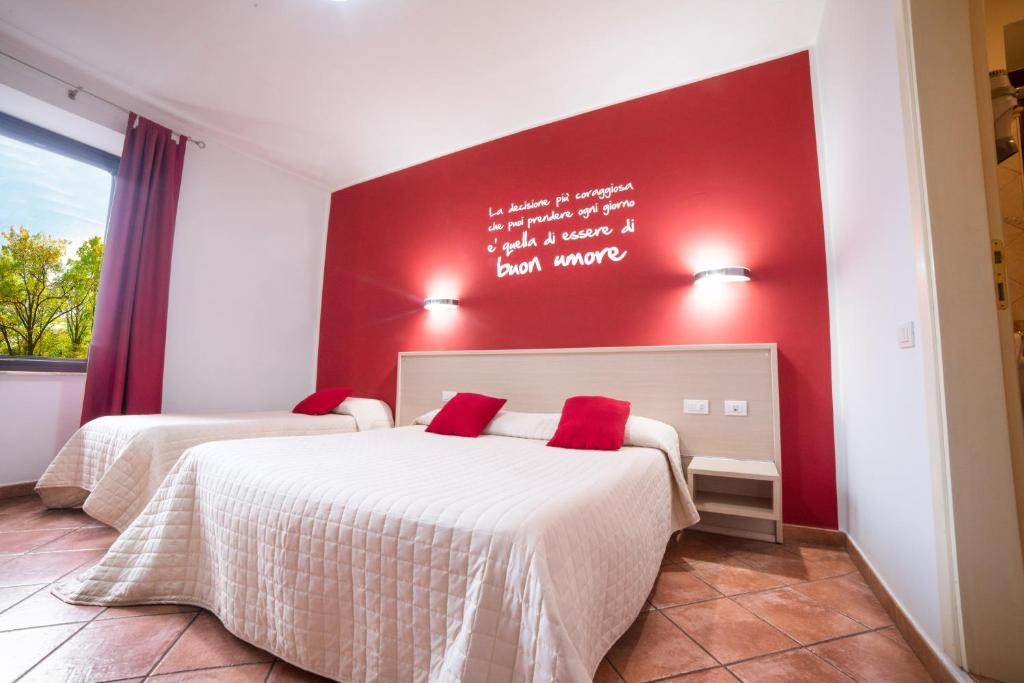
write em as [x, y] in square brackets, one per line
[905, 335]
[447, 396]
[736, 408]
[694, 406]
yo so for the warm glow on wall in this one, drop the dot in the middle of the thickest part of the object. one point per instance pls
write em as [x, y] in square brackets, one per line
[711, 298]
[711, 251]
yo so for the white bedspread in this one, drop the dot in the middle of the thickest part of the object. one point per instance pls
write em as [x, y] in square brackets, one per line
[400, 555]
[112, 466]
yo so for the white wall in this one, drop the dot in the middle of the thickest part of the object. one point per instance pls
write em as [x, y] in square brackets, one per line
[38, 412]
[888, 505]
[246, 274]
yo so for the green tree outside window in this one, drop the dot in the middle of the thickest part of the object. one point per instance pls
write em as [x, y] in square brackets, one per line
[47, 301]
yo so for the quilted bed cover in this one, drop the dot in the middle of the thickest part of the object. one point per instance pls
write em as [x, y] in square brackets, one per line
[112, 466]
[399, 555]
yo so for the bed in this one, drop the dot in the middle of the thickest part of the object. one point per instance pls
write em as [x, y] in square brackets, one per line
[112, 466]
[404, 555]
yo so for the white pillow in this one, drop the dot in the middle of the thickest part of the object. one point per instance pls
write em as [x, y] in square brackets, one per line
[425, 418]
[524, 425]
[648, 433]
[640, 431]
[369, 413]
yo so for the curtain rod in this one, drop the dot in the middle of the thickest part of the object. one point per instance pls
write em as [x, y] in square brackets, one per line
[74, 90]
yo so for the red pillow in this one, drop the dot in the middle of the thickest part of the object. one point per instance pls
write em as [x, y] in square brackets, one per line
[594, 423]
[465, 415]
[322, 401]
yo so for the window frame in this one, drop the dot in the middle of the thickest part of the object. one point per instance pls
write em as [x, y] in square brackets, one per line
[31, 134]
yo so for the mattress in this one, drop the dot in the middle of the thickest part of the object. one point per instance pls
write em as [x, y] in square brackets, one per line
[112, 466]
[399, 555]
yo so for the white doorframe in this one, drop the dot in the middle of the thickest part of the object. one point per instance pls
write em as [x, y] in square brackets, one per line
[980, 557]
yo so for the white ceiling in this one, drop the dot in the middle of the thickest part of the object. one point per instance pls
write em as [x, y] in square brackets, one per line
[345, 91]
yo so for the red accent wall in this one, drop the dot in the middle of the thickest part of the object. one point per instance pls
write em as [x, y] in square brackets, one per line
[724, 173]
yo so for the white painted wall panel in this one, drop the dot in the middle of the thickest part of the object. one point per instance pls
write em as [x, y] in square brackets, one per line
[886, 493]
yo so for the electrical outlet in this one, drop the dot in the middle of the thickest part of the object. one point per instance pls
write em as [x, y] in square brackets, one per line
[447, 396]
[905, 335]
[694, 406]
[736, 408]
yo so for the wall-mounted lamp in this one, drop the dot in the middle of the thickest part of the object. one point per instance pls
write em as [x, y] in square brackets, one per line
[440, 304]
[719, 275]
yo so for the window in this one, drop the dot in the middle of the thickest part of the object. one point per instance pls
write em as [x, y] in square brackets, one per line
[55, 197]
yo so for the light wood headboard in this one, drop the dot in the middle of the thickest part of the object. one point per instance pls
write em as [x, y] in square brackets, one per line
[655, 379]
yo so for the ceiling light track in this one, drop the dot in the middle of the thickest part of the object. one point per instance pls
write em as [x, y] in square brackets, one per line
[74, 91]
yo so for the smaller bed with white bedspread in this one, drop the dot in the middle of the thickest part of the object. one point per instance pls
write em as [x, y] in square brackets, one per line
[112, 466]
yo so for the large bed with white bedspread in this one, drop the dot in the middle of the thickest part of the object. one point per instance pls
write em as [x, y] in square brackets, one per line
[400, 555]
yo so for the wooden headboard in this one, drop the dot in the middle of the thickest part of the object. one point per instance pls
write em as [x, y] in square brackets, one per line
[655, 379]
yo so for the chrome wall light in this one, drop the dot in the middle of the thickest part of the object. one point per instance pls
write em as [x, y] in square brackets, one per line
[440, 304]
[720, 275]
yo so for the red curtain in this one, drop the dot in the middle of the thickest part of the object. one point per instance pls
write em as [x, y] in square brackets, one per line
[126, 358]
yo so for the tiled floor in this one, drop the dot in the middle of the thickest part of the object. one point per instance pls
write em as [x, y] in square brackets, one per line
[722, 610]
[44, 639]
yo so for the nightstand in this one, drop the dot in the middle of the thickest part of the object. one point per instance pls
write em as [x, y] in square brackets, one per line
[740, 488]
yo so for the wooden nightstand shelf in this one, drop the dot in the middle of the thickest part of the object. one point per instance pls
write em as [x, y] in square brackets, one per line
[740, 488]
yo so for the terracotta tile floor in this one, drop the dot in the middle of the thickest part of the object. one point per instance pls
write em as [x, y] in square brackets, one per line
[722, 610]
